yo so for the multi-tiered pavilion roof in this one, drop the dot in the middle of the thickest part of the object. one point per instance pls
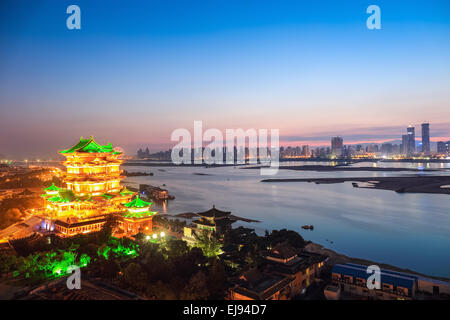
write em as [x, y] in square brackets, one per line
[90, 146]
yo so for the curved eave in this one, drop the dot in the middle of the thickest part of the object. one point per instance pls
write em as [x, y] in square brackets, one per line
[89, 146]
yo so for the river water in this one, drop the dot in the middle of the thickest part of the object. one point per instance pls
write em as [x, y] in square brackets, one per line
[407, 230]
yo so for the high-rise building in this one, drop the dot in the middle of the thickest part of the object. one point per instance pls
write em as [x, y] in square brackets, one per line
[337, 146]
[404, 145]
[411, 148]
[426, 138]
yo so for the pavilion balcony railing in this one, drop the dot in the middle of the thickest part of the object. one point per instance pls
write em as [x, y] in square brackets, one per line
[104, 173]
[93, 177]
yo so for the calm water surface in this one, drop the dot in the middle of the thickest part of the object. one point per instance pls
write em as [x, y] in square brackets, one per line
[406, 230]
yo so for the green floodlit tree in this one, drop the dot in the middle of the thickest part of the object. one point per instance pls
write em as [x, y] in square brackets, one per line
[43, 265]
[84, 260]
[119, 248]
[210, 245]
[104, 251]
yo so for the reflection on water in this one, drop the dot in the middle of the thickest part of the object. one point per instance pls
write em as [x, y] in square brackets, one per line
[407, 230]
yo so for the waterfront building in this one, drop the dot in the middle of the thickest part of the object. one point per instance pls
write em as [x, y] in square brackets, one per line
[214, 220]
[93, 193]
[426, 138]
[351, 279]
[337, 146]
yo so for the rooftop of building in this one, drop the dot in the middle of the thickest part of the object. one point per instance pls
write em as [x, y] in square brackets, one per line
[207, 222]
[75, 223]
[297, 260]
[139, 215]
[138, 203]
[52, 188]
[214, 213]
[394, 278]
[282, 251]
[125, 191]
[258, 285]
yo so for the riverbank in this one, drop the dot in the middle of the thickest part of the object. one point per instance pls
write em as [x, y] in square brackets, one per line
[171, 164]
[190, 215]
[407, 184]
[324, 168]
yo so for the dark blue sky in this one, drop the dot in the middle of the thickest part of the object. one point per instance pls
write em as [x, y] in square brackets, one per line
[137, 70]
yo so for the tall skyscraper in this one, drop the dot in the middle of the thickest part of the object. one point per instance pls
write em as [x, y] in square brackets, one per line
[337, 146]
[411, 140]
[404, 146]
[425, 137]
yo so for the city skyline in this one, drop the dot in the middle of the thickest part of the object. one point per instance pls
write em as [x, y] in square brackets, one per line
[324, 142]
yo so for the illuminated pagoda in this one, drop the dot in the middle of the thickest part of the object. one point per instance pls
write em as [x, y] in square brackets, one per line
[93, 191]
[92, 169]
[212, 221]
